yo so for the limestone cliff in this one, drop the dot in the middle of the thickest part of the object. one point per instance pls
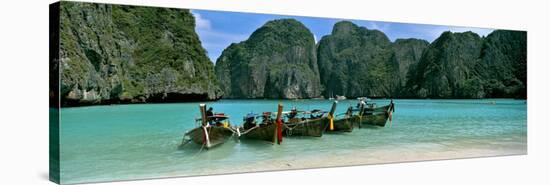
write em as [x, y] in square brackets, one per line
[129, 54]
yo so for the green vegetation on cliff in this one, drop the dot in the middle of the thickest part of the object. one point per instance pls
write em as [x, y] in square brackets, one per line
[504, 64]
[279, 61]
[447, 68]
[355, 61]
[407, 52]
[464, 65]
[128, 54]
[118, 53]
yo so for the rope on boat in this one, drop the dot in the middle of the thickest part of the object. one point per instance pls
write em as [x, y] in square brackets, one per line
[289, 132]
[247, 131]
[200, 150]
[288, 129]
[187, 141]
[184, 142]
[235, 130]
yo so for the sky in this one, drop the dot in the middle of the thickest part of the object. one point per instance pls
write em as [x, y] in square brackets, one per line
[218, 29]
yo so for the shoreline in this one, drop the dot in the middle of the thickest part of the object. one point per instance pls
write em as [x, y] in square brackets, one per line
[377, 156]
[254, 99]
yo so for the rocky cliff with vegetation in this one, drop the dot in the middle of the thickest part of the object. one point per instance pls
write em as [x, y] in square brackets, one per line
[504, 64]
[128, 54]
[448, 68]
[355, 61]
[407, 52]
[277, 61]
[464, 65]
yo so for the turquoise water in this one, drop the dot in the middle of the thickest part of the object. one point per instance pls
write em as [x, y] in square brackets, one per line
[120, 142]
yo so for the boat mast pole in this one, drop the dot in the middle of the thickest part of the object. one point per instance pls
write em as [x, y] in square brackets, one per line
[202, 108]
[204, 125]
[390, 112]
[331, 115]
[278, 136]
[361, 111]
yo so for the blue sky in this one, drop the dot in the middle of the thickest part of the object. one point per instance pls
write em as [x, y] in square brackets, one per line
[218, 29]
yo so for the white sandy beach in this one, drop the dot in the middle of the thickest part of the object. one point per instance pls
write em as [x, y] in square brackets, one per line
[383, 155]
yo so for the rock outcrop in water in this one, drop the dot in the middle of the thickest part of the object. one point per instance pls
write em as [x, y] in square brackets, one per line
[355, 61]
[125, 54]
[277, 61]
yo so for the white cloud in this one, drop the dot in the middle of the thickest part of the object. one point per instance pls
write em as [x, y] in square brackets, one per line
[214, 41]
[201, 23]
[479, 31]
[436, 32]
[315, 39]
[378, 26]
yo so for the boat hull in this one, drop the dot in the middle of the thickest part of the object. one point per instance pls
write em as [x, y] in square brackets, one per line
[379, 109]
[379, 119]
[343, 125]
[307, 127]
[264, 132]
[377, 116]
[216, 135]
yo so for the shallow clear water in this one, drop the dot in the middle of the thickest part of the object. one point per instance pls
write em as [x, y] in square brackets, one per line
[104, 143]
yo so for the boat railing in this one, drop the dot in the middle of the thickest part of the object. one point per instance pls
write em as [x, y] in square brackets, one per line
[216, 118]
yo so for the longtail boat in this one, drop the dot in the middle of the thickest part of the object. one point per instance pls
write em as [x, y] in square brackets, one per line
[212, 130]
[308, 123]
[269, 129]
[377, 116]
[345, 123]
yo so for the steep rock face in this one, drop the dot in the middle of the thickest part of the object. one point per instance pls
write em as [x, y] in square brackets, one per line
[123, 54]
[504, 60]
[447, 68]
[354, 61]
[277, 61]
[463, 65]
[408, 53]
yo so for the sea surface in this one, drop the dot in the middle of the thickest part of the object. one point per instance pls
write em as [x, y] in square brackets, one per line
[123, 142]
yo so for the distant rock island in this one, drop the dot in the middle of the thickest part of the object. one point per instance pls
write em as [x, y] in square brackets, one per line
[126, 54]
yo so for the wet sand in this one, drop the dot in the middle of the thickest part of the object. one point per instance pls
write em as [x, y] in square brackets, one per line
[381, 155]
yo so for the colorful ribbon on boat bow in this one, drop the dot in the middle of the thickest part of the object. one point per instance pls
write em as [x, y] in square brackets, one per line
[331, 121]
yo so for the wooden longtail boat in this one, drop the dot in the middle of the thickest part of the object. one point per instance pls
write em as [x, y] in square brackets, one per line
[268, 130]
[299, 124]
[346, 123]
[213, 130]
[377, 116]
